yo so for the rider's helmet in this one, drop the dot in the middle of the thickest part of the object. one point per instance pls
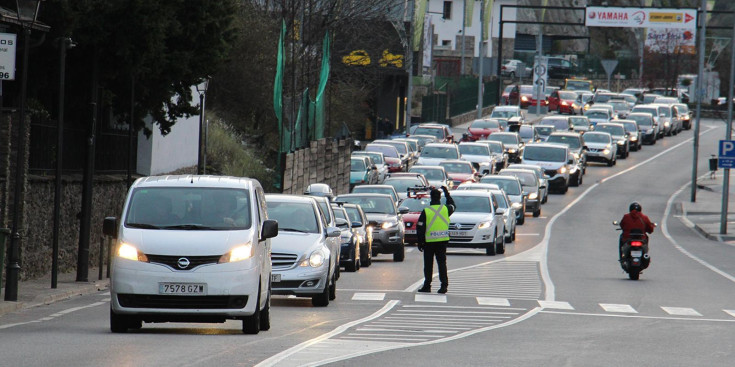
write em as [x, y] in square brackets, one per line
[635, 206]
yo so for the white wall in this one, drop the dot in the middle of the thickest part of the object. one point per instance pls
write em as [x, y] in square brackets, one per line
[449, 29]
[162, 154]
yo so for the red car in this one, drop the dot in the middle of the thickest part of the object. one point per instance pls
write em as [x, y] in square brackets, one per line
[528, 97]
[481, 128]
[460, 171]
[562, 101]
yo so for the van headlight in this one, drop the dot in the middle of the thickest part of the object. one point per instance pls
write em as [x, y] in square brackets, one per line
[129, 252]
[389, 224]
[315, 260]
[483, 225]
[239, 253]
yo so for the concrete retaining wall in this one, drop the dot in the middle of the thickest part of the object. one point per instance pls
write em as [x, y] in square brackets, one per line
[325, 161]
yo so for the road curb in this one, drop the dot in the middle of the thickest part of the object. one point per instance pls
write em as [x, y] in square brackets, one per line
[54, 295]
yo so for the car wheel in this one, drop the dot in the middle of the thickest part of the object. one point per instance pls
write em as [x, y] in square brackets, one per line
[545, 199]
[500, 247]
[580, 180]
[265, 314]
[537, 213]
[333, 289]
[558, 110]
[565, 189]
[251, 324]
[399, 254]
[610, 162]
[358, 265]
[321, 299]
[513, 235]
[352, 266]
[490, 249]
[575, 182]
[522, 219]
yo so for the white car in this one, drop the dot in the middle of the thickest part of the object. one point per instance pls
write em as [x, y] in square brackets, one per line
[476, 223]
[434, 153]
[598, 115]
[505, 206]
[478, 154]
[508, 112]
[303, 263]
[515, 68]
[601, 147]
[436, 175]
[191, 249]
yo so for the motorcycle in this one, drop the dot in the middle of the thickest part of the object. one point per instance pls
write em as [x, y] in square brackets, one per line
[634, 257]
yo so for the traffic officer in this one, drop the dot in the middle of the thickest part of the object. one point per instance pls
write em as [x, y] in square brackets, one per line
[432, 229]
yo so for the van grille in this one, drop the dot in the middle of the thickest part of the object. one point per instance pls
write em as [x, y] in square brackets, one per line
[173, 261]
[283, 260]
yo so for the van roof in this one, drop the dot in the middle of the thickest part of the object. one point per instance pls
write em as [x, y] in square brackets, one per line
[195, 180]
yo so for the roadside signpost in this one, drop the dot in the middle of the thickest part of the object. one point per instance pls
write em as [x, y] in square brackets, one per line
[726, 157]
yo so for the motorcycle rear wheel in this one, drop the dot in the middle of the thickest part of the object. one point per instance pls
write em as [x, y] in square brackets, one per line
[634, 274]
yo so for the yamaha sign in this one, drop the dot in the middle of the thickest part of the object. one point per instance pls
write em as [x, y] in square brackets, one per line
[604, 16]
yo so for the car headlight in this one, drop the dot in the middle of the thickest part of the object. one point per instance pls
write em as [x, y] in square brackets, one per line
[576, 155]
[129, 252]
[483, 225]
[524, 99]
[315, 260]
[666, 124]
[562, 170]
[390, 224]
[238, 253]
[533, 196]
[511, 150]
[564, 103]
[574, 105]
[621, 142]
[634, 138]
[606, 151]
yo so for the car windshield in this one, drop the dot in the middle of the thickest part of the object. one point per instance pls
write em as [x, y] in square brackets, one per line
[526, 132]
[630, 126]
[527, 179]
[357, 165]
[433, 131]
[567, 95]
[662, 110]
[544, 130]
[508, 89]
[559, 124]
[400, 146]
[613, 130]
[596, 138]
[190, 208]
[416, 205]
[578, 85]
[293, 216]
[372, 190]
[619, 105]
[682, 108]
[485, 124]
[495, 147]
[388, 151]
[597, 114]
[354, 214]
[339, 213]
[401, 184]
[651, 110]
[602, 98]
[504, 113]
[472, 204]
[579, 121]
[572, 141]
[440, 152]
[510, 186]
[432, 174]
[474, 149]
[511, 139]
[377, 158]
[369, 204]
[451, 167]
[526, 89]
[642, 120]
[545, 154]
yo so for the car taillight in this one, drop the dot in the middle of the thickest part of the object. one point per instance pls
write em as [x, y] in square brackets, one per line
[636, 243]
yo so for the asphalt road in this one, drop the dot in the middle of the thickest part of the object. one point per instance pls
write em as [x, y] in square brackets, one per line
[557, 297]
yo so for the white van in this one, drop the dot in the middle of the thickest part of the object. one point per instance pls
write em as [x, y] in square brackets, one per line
[191, 249]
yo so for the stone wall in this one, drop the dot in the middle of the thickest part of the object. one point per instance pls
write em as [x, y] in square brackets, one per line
[325, 161]
[36, 247]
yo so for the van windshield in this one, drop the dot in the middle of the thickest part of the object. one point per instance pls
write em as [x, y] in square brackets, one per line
[189, 208]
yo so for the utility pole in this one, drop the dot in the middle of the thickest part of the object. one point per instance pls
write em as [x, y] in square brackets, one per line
[728, 136]
[700, 83]
[480, 59]
[464, 27]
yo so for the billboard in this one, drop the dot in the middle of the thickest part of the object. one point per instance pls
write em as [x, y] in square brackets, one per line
[670, 41]
[604, 16]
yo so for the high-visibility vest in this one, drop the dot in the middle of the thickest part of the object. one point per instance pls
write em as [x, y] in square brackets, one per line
[437, 219]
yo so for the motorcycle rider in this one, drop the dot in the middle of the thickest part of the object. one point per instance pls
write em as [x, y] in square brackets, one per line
[633, 220]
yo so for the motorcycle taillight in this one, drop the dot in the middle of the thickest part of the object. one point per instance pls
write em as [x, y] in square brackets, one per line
[636, 243]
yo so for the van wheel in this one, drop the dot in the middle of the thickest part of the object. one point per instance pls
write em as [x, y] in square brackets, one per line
[251, 324]
[121, 323]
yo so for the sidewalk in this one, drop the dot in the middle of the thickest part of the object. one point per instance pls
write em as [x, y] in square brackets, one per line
[36, 292]
[705, 213]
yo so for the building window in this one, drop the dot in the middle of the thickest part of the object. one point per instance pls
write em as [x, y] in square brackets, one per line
[447, 12]
[446, 43]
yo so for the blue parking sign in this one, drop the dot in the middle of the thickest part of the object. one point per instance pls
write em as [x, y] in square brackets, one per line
[727, 149]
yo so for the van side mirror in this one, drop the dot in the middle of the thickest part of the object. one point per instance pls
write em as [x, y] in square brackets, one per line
[109, 227]
[269, 230]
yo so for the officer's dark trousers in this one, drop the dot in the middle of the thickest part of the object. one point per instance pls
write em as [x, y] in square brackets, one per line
[438, 250]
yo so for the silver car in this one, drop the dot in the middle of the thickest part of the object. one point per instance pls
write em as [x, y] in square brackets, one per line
[505, 207]
[303, 264]
[513, 188]
[601, 148]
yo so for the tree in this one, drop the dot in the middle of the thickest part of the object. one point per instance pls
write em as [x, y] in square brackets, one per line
[159, 48]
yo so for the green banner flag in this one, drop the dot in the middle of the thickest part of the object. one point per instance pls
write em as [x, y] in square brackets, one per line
[487, 14]
[469, 7]
[319, 100]
[418, 22]
[278, 87]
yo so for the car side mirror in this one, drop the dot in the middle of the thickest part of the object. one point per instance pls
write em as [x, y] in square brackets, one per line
[403, 210]
[333, 232]
[500, 211]
[341, 223]
[356, 224]
[270, 229]
[109, 227]
[584, 147]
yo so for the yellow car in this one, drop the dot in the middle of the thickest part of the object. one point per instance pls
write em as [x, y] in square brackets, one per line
[357, 57]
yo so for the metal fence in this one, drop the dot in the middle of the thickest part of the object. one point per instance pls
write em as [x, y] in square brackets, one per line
[454, 96]
[111, 149]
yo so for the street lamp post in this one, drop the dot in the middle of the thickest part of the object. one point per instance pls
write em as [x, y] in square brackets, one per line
[27, 11]
[202, 89]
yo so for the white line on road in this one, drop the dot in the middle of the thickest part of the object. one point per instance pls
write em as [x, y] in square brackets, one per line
[368, 297]
[681, 311]
[555, 305]
[490, 301]
[634, 316]
[612, 307]
[430, 298]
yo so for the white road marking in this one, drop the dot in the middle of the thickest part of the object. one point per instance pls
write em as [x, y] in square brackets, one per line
[410, 249]
[634, 316]
[105, 294]
[55, 315]
[558, 305]
[489, 301]
[430, 298]
[528, 234]
[730, 312]
[368, 297]
[681, 311]
[612, 307]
